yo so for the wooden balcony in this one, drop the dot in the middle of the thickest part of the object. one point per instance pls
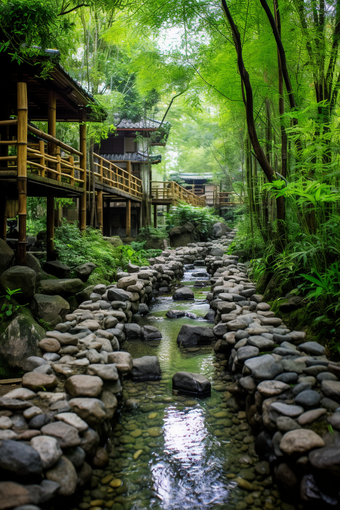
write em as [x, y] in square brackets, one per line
[114, 180]
[169, 192]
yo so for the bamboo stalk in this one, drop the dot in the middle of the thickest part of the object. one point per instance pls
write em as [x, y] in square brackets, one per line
[82, 146]
[22, 106]
[52, 139]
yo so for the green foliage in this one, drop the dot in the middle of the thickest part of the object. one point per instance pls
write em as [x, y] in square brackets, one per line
[9, 309]
[152, 232]
[202, 217]
[75, 248]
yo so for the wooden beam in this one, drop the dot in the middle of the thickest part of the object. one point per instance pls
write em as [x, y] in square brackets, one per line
[22, 106]
[82, 148]
[155, 215]
[100, 210]
[128, 218]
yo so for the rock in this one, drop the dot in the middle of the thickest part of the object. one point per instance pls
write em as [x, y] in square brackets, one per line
[146, 368]
[13, 404]
[33, 362]
[65, 434]
[122, 360]
[19, 340]
[57, 268]
[106, 372]
[247, 383]
[62, 287]
[192, 336]
[287, 377]
[19, 277]
[334, 420]
[76, 455]
[263, 367]
[84, 271]
[331, 389]
[247, 352]
[13, 494]
[312, 348]
[220, 229]
[327, 458]
[110, 402]
[133, 331]
[5, 423]
[114, 294]
[310, 416]
[19, 458]
[175, 314]
[91, 410]
[151, 333]
[49, 345]
[272, 388]
[300, 441]
[286, 477]
[193, 384]
[183, 294]
[6, 256]
[285, 424]
[286, 409]
[65, 475]
[308, 399]
[264, 344]
[50, 309]
[143, 309]
[84, 386]
[101, 458]
[21, 394]
[126, 281]
[35, 381]
[48, 449]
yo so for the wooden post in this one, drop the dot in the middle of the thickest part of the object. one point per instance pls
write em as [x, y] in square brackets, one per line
[128, 169]
[22, 105]
[3, 216]
[51, 126]
[42, 159]
[155, 215]
[100, 209]
[82, 148]
[128, 218]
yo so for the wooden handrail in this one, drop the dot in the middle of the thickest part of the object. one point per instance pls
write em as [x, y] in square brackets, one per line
[50, 138]
[115, 177]
[170, 190]
[9, 122]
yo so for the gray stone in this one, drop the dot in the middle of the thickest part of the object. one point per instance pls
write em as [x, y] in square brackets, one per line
[91, 410]
[133, 331]
[62, 287]
[312, 348]
[50, 309]
[19, 277]
[114, 294]
[48, 449]
[151, 333]
[106, 372]
[263, 367]
[308, 399]
[146, 368]
[84, 386]
[57, 268]
[264, 344]
[287, 377]
[21, 394]
[183, 294]
[310, 416]
[286, 409]
[73, 420]
[327, 458]
[6, 255]
[247, 383]
[175, 314]
[247, 352]
[220, 229]
[64, 473]
[285, 424]
[314, 370]
[191, 383]
[49, 345]
[331, 389]
[33, 362]
[122, 360]
[301, 387]
[19, 458]
[334, 420]
[84, 271]
[191, 336]
[35, 381]
[272, 388]
[326, 376]
[76, 455]
[65, 434]
[300, 441]
[292, 365]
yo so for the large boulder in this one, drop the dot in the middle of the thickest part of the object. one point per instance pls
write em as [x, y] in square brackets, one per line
[146, 368]
[33, 263]
[19, 277]
[6, 255]
[183, 294]
[63, 287]
[50, 309]
[192, 384]
[85, 270]
[57, 268]
[182, 236]
[191, 336]
[220, 229]
[19, 339]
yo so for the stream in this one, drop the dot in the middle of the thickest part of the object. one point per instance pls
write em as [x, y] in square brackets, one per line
[172, 451]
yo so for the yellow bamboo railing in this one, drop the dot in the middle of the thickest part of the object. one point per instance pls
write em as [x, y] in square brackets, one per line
[113, 176]
[170, 190]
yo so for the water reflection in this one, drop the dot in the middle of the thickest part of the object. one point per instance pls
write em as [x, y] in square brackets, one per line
[190, 476]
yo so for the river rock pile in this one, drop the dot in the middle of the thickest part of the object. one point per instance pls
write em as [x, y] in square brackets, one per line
[287, 386]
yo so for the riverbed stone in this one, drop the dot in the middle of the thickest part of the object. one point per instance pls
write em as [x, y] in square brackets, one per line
[191, 336]
[331, 389]
[263, 367]
[286, 409]
[308, 399]
[310, 416]
[122, 361]
[35, 381]
[21, 394]
[262, 343]
[91, 410]
[247, 352]
[300, 441]
[183, 294]
[49, 345]
[313, 348]
[272, 388]
[191, 383]
[146, 368]
[50, 309]
[73, 420]
[327, 458]
[64, 287]
[106, 372]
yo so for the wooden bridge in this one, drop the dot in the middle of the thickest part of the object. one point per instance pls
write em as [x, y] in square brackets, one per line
[169, 192]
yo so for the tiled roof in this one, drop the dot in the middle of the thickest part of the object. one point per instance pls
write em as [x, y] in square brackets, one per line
[142, 124]
[128, 156]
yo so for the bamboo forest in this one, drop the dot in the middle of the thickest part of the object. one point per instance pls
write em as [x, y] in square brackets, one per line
[170, 255]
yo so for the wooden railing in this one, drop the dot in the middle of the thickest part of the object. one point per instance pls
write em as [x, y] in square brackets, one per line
[170, 190]
[226, 199]
[57, 167]
[113, 176]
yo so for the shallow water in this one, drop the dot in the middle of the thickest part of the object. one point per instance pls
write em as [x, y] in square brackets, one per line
[178, 452]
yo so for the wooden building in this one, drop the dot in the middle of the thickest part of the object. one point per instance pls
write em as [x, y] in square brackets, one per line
[35, 163]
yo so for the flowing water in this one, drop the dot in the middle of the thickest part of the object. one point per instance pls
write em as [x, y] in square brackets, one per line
[176, 452]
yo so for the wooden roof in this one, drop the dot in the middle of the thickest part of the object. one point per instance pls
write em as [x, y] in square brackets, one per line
[74, 103]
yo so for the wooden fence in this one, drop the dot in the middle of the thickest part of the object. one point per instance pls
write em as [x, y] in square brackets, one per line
[113, 176]
[171, 191]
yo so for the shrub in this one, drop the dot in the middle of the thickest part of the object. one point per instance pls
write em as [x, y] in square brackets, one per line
[202, 217]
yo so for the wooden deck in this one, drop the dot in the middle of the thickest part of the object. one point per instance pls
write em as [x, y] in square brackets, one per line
[169, 192]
